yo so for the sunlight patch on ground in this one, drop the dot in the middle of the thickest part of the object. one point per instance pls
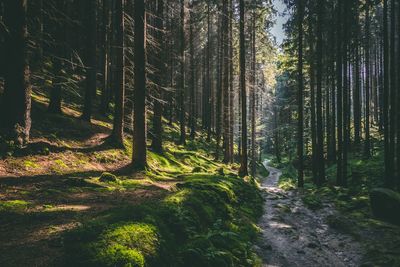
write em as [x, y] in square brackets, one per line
[51, 230]
[280, 225]
[68, 208]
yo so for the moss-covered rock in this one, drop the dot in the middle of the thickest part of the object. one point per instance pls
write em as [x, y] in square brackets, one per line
[385, 204]
[126, 244]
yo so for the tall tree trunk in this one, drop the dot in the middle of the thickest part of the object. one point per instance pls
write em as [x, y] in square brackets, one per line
[386, 90]
[139, 159]
[192, 110]
[231, 78]
[398, 100]
[320, 134]
[105, 93]
[16, 106]
[225, 82]
[367, 148]
[56, 91]
[357, 98]
[157, 139]
[253, 95]
[220, 64]
[339, 86]
[118, 129]
[91, 59]
[209, 83]
[182, 86]
[243, 171]
[345, 94]
[392, 93]
[300, 97]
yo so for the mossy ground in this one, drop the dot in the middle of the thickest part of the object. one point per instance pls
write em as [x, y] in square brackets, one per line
[187, 209]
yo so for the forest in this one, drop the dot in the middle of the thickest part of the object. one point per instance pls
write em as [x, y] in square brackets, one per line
[189, 133]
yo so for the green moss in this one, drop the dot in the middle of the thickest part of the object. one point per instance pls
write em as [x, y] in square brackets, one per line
[30, 164]
[126, 244]
[118, 255]
[208, 221]
[13, 205]
[59, 166]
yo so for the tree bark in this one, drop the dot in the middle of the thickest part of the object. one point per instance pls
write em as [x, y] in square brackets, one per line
[139, 159]
[300, 97]
[182, 87]
[243, 171]
[91, 59]
[320, 161]
[118, 129]
[157, 140]
[16, 106]
[225, 82]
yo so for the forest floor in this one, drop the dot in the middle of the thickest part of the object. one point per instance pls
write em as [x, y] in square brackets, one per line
[294, 235]
[55, 209]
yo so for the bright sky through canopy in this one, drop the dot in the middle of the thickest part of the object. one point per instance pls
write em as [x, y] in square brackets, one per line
[281, 19]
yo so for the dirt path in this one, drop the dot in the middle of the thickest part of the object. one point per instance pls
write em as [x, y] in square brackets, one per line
[293, 235]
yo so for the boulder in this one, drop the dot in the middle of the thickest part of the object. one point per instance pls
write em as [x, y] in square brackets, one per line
[385, 205]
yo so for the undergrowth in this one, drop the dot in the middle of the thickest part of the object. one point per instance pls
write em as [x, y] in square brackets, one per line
[192, 209]
[208, 221]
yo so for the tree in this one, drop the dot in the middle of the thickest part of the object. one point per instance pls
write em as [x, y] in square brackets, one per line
[182, 86]
[253, 94]
[387, 161]
[192, 110]
[118, 126]
[157, 140]
[225, 83]
[91, 59]
[16, 105]
[300, 125]
[339, 90]
[320, 161]
[243, 171]
[59, 51]
[231, 87]
[139, 159]
[367, 149]
[392, 93]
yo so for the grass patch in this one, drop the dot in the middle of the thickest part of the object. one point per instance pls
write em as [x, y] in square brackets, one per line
[14, 206]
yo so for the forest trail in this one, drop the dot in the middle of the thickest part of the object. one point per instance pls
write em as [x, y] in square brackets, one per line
[293, 235]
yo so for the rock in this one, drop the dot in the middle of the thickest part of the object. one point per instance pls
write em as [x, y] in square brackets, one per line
[107, 177]
[385, 205]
